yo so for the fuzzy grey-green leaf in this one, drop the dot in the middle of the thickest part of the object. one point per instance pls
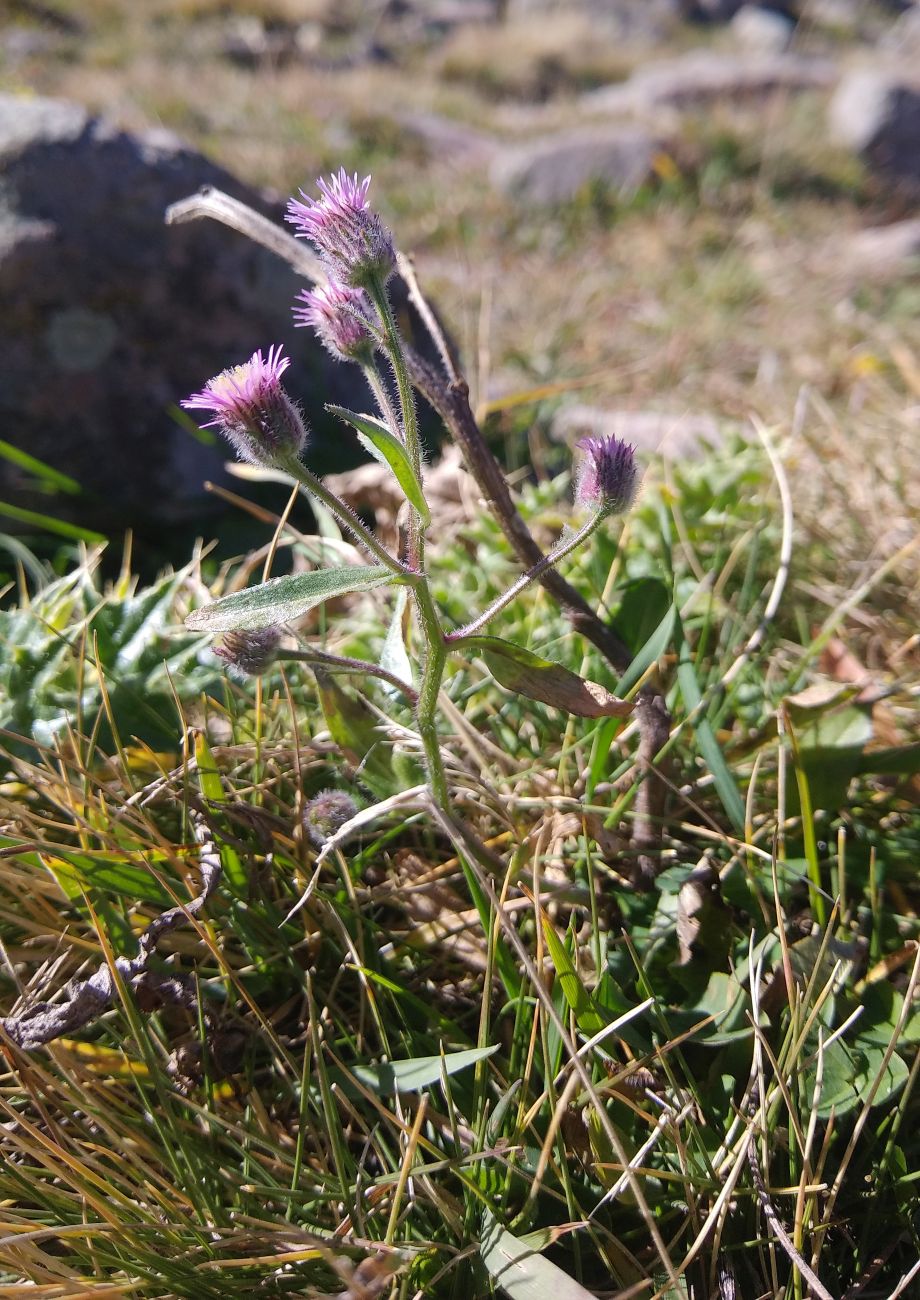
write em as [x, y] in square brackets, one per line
[282, 599]
[376, 438]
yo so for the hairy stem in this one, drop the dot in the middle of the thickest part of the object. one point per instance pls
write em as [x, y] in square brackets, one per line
[432, 675]
[310, 484]
[555, 556]
[394, 348]
[354, 667]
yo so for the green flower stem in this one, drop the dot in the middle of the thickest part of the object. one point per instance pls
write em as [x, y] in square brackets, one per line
[313, 486]
[382, 398]
[432, 675]
[378, 293]
[354, 667]
[552, 558]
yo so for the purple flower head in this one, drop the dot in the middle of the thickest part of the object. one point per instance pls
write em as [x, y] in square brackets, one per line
[609, 475]
[326, 813]
[252, 410]
[349, 235]
[250, 653]
[338, 314]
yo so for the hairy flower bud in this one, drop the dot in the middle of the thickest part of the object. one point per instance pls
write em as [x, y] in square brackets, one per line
[250, 653]
[252, 410]
[348, 234]
[340, 315]
[609, 475]
[326, 813]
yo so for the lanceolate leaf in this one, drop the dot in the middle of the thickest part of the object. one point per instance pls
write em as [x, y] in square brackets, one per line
[520, 1270]
[282, 599]
[357, 731]
[394, 657]
[540, 679]
[376, 438]
[420, 1072]
[578, 997]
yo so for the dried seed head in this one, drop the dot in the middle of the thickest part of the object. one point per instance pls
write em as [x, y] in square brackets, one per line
[250, 653]
[326, 813]
[609, 475]
[252, 410]
[348, 234]
[340, 315]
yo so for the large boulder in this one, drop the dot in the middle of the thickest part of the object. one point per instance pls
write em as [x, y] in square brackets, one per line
[111, 317]
[876, 112]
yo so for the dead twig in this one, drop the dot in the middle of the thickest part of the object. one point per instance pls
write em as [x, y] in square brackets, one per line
[86, 1000]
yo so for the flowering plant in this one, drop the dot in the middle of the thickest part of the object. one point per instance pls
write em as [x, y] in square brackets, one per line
[353, 317]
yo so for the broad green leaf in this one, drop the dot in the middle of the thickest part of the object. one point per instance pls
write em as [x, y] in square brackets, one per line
[850, 1072]
[899, 760]
[356, 730]
[280, 600]
[525, 673]
[644, 604]
[653, 649]
[419, 1072]
[377, 439]
[520, 1270]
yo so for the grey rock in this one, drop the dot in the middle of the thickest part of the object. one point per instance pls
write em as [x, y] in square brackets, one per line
[446, 139]
[878, 253]
[111, 318]
[557, 168]
[876, 113]
[701, 78]
[762, 31]
[686, 435]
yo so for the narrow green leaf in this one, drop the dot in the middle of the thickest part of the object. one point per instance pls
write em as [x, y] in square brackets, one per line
[419, 1072]
[48, 524]
[282, 599]
[211, 787]
[587, 1016]
[525, 673]
[653, 649]
[522, 1272]
[709, 746]
[107, 872]
[394, 657]
[52, 478]
[377, 439]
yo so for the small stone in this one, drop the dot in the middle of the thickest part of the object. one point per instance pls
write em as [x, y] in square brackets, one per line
[557, 168]
[762, 31]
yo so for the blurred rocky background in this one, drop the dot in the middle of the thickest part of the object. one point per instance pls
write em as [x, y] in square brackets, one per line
[655, 215]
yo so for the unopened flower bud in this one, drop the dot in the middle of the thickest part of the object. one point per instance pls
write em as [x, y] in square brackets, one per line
[340, 315]
[252, 410]
[250, 653]
[609, 475]
[348, 234]
[326, 813]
